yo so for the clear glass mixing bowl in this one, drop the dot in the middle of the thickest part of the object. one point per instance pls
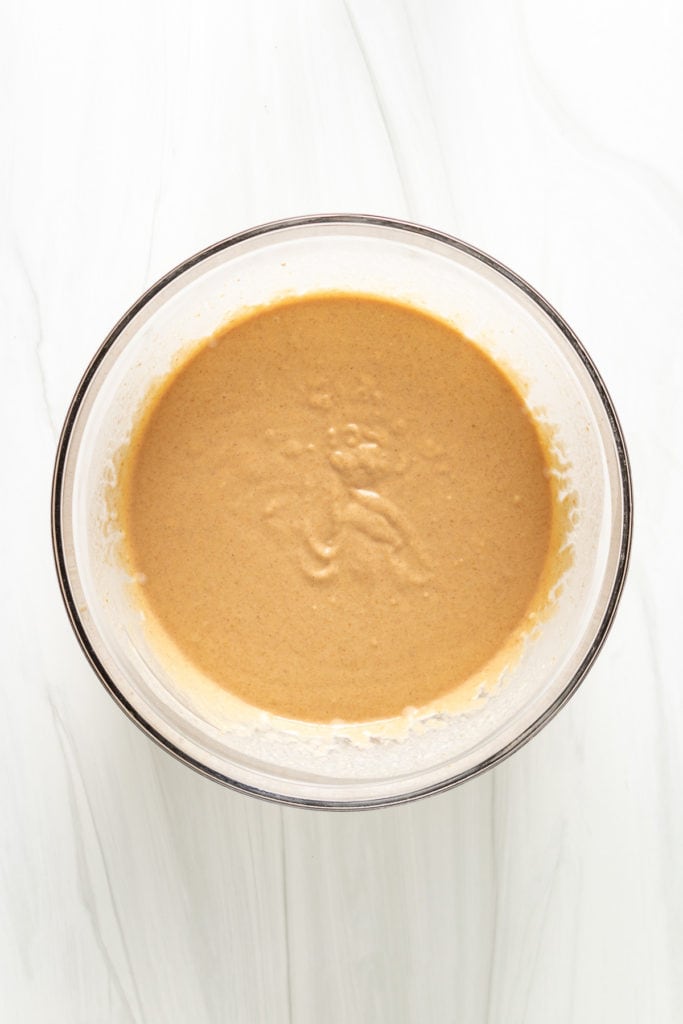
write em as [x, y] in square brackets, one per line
[490, 305]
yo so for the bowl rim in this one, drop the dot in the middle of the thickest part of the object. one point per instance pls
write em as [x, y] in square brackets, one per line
[58, 526]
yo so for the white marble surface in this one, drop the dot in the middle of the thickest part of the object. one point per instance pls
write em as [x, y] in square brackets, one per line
[549, 890]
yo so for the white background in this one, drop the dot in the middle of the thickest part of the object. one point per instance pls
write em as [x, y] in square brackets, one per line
[133, 134]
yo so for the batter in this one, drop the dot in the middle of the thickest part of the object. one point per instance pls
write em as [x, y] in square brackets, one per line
[339, 506]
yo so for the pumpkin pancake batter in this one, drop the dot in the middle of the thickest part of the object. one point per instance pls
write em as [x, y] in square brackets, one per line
[339, 506]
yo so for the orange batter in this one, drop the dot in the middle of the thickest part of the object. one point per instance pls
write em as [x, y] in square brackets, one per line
[339, 506]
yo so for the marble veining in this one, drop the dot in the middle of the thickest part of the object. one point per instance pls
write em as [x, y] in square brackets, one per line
[550, 889]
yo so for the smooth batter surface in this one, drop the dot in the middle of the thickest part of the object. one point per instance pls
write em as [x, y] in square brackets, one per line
[339, 506]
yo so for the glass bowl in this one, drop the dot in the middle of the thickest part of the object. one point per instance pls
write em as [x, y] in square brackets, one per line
[490, 305]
